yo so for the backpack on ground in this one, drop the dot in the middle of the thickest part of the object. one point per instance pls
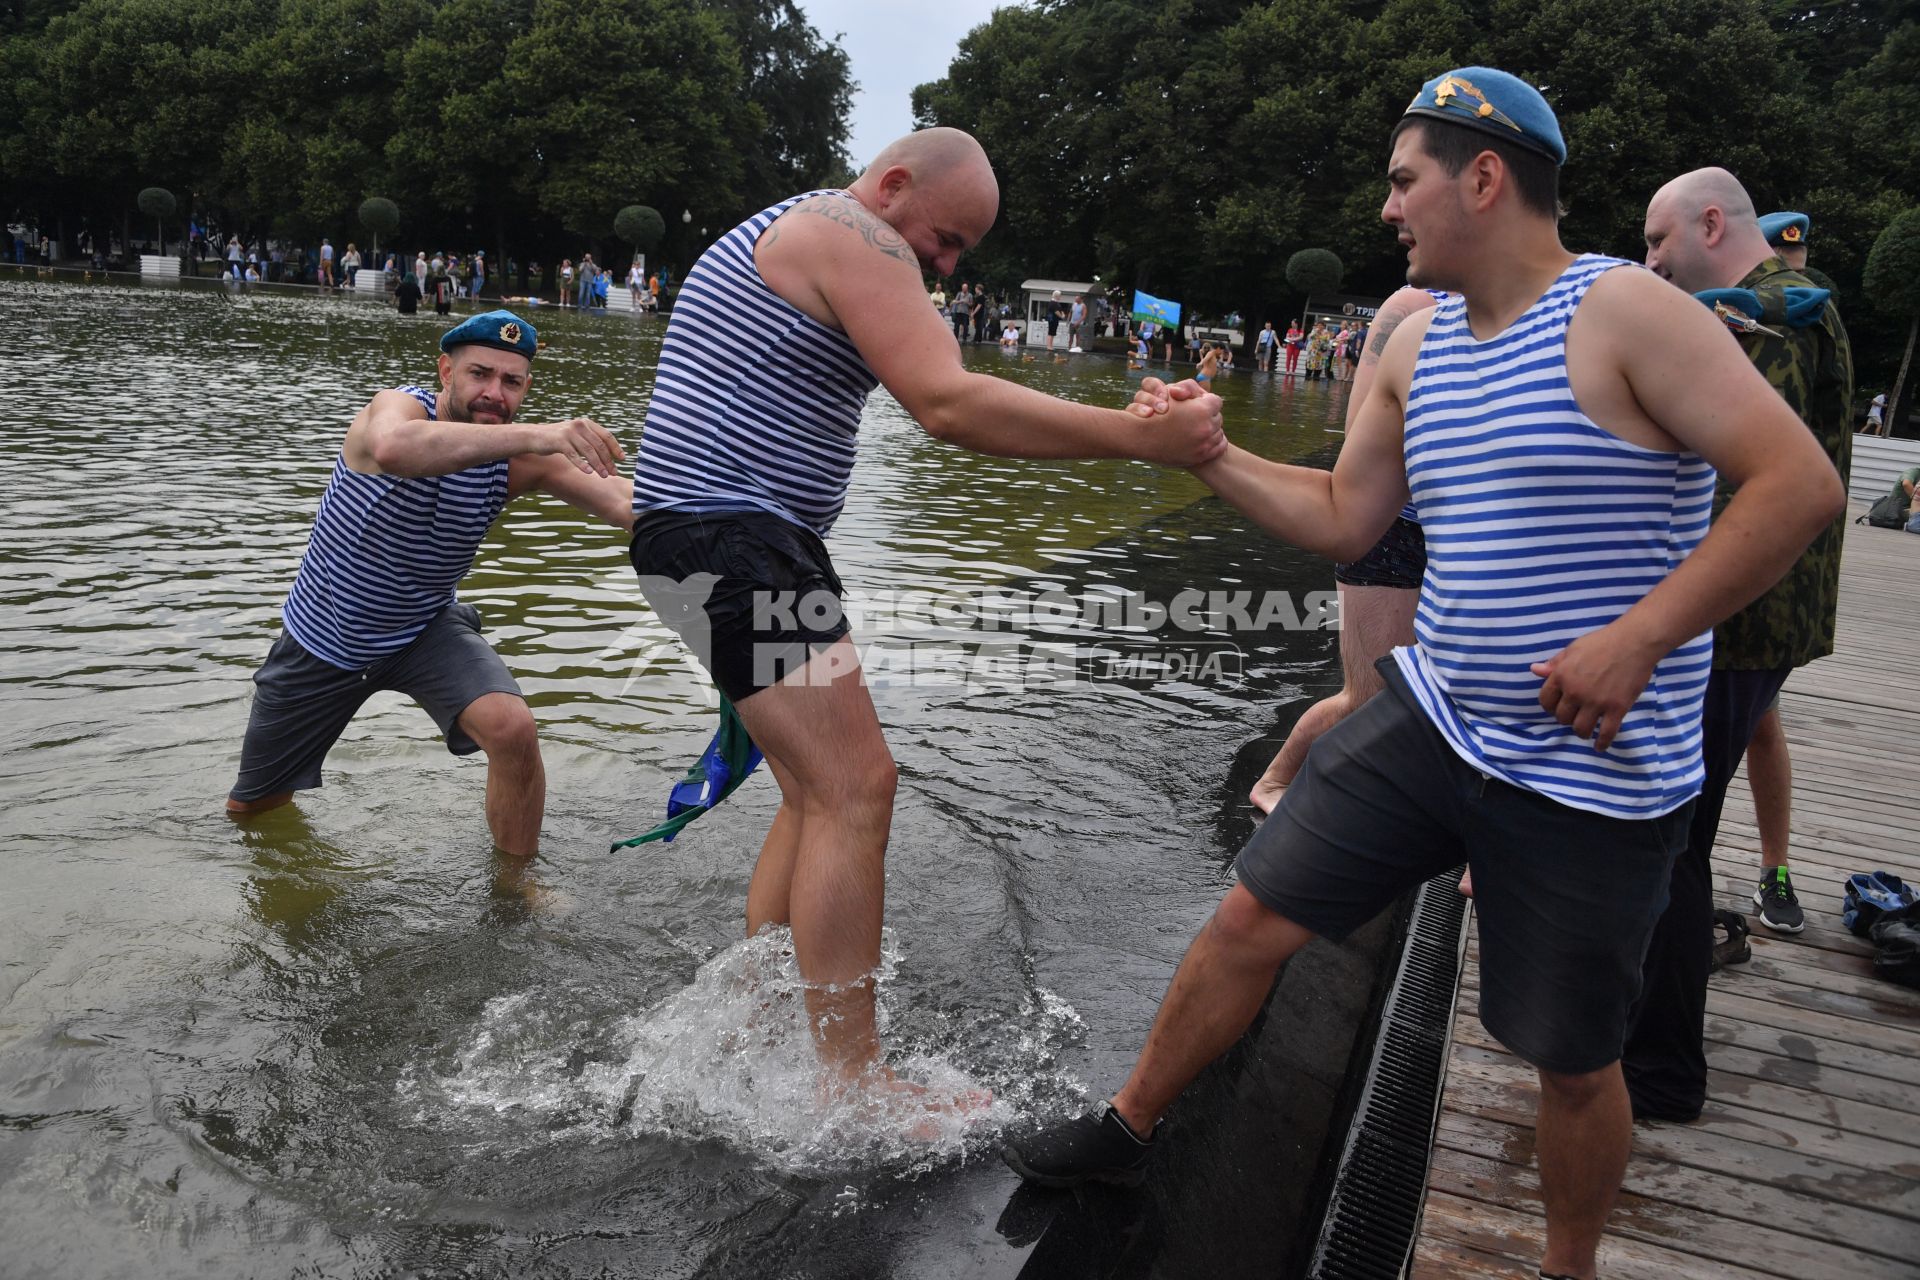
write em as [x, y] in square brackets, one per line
[1890, 512]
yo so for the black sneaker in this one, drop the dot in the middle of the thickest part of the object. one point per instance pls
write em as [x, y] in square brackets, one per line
[1779, 909]
[1097, 1147]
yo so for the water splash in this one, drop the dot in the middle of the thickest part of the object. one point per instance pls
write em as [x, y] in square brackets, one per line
[730, 1059]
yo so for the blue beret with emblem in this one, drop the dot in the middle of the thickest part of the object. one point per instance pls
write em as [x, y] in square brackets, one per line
[1786, 230]
[1496, 103]
[501, 330]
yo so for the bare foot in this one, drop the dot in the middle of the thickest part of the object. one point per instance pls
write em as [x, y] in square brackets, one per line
[1266, 793]
[918, 1109]
[1466, 883]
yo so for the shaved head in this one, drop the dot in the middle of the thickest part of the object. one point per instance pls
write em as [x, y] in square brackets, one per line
[937, 188]
[1692, 194]
[1702, 232]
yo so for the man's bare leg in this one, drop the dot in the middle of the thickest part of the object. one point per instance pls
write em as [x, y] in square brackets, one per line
[769, 893]
[1372, 621]
[820, 724]
[1770, 779]
[1583, 1137]
[516, 778]
[1219, 987]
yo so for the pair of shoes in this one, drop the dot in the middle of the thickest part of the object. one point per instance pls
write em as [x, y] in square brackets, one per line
[1736, 949]
[1779, 909]
[1096, 1147]
[1074, 351]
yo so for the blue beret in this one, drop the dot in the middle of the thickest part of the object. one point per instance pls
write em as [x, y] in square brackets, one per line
[1495, 103]
[1787, 229]
[501, 330]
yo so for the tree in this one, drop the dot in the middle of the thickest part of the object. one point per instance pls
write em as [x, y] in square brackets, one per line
[379, 215]
[640, 226]
[158, 203]
[1314, 272]
[1893, 282]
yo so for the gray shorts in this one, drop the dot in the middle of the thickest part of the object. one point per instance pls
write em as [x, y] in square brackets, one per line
[1566, 899]
[302, 704]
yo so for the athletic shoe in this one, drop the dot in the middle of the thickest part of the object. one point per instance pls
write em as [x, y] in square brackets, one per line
[1097, 1147]
[1779, 909]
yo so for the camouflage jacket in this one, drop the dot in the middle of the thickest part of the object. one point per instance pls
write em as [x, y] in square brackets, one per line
[1812, 369]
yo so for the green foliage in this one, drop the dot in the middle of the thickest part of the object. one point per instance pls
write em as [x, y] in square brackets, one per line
[156, 202]
[380, 215]
[1190, 147]
[514, 124]
[1893, 267]
[640, 226]
[1314, 272]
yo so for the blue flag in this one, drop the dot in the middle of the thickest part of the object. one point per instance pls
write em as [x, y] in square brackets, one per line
[1158, 310]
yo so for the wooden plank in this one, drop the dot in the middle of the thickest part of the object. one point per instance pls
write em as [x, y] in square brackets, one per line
[1789, 1151]
[1507, 1197]
[1464, 1239]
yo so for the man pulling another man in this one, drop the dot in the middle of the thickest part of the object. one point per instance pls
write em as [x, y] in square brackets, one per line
[420, 478]
[781, 330]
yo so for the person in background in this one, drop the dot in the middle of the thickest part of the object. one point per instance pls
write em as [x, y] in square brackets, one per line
[326, 263]
[1293, 342]
[406, 295]
[1263, 347]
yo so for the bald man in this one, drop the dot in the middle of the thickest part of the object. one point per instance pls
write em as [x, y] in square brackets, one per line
[781, 330]
[1702, 235]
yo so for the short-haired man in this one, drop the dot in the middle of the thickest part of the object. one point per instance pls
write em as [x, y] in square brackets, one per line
[1702, 235]
[420, 478]
[1557, 426]
[1076, 321]
[780, 332]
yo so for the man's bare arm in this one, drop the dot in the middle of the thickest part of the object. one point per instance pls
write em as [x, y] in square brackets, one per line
[394, 436]
[848, 269]
[1343, 513]
[610, 498]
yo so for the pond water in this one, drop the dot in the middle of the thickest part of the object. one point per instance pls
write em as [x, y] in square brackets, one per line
[345, 1040]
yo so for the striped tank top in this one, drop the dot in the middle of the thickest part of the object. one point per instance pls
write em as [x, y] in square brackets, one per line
[385, 555]
[757, 405]
[1540, 527]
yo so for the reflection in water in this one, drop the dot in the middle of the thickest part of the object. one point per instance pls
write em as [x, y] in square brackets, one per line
[345, 1037]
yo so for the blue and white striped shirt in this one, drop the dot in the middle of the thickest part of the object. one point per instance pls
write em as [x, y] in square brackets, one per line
[757, 405]
[1541, 527]
[385, 555]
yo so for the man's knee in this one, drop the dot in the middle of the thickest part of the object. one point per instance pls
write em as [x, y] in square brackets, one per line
[502, 724]
[1249, 927]
[1580, 1089]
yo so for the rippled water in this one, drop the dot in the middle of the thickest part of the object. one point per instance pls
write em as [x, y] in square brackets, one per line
[344, 1040]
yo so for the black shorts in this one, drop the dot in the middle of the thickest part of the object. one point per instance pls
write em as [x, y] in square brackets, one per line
[302, 704]
[1399, 559]
[753, 595]
[1566, 899]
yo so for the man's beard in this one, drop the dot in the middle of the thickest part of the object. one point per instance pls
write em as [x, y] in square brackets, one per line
[462, 411]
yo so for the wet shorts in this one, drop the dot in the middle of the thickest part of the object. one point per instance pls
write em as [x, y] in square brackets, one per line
[754, 596]
[1566, 899]
[302, 704]
[1399, 559]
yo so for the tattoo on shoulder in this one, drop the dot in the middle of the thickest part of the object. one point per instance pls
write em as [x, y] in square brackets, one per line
[849, 213]
[1377, 339]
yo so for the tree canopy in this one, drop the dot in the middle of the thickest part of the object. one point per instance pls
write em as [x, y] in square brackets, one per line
[517, 125]
[1192, 146]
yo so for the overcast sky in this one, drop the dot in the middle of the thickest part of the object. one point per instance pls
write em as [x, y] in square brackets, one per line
[893, 46]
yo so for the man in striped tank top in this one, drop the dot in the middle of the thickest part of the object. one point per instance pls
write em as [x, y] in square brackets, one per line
[418, 482]
[781, 330]
[1557, 425]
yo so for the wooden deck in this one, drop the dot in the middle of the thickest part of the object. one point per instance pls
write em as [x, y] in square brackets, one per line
[1806, 1163]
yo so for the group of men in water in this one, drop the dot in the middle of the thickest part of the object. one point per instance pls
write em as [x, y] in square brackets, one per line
[1541, 433]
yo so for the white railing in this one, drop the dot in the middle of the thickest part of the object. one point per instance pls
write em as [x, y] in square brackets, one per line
[160, 264]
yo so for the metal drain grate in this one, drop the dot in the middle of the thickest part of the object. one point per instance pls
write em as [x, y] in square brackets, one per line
[1380, 1182]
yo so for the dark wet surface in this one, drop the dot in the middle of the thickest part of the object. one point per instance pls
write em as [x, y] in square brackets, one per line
[345, 1041]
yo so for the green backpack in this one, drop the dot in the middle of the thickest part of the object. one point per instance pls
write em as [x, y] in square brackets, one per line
[1890, 512]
